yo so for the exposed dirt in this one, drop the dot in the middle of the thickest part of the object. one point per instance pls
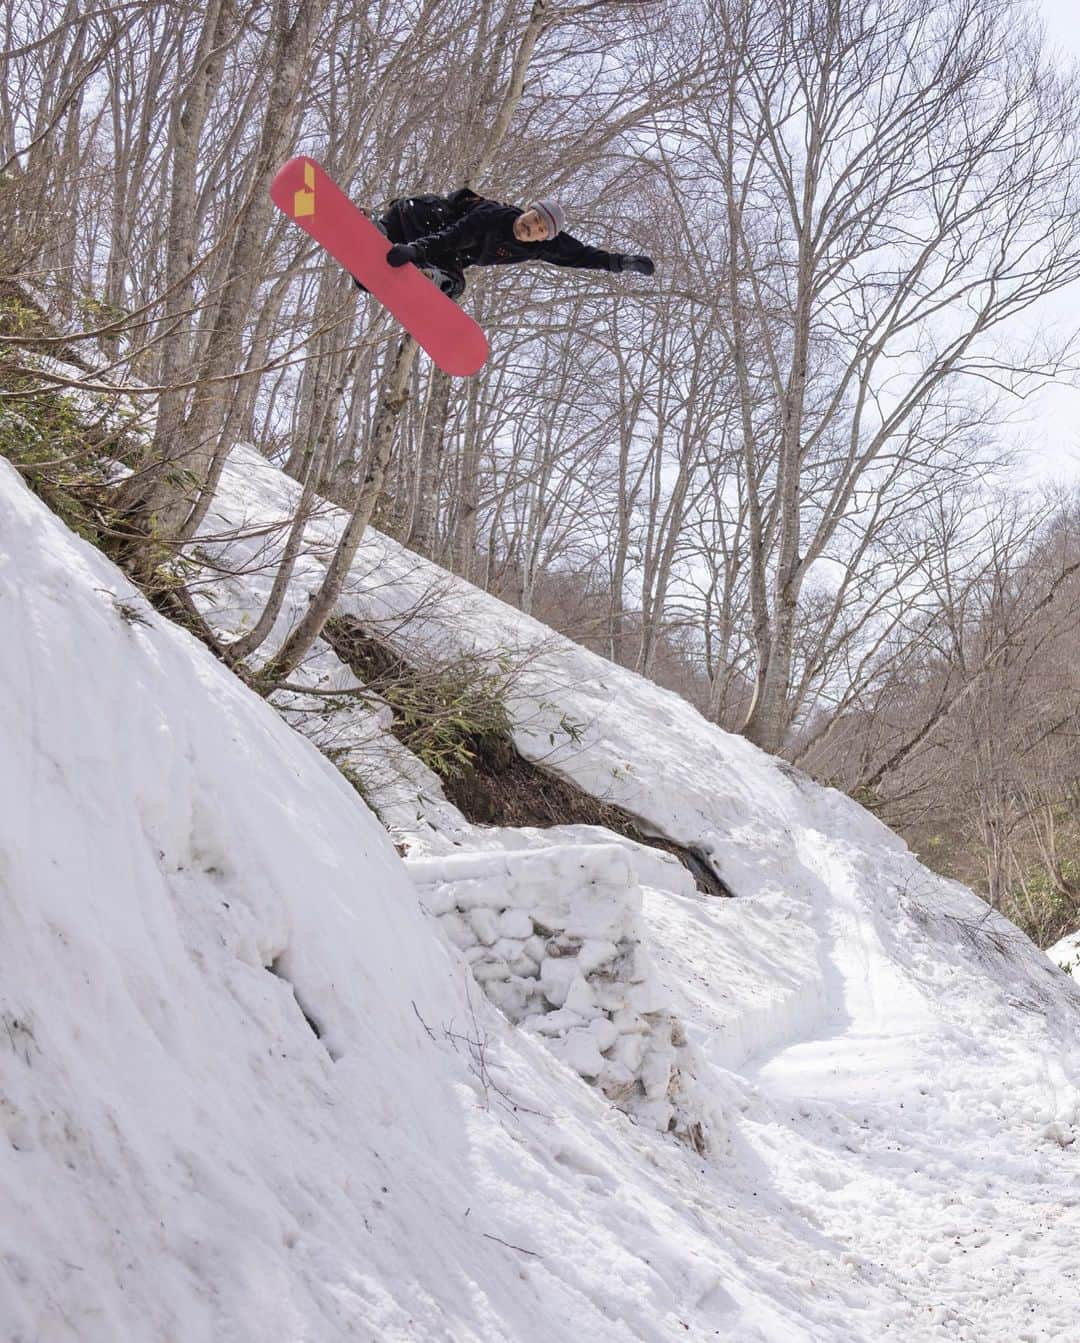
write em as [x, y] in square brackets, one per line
[499, 786]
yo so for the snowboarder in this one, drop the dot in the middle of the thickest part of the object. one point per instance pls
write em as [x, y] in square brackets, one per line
[444, 235]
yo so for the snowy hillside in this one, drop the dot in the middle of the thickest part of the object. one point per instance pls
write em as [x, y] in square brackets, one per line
[262, 1079]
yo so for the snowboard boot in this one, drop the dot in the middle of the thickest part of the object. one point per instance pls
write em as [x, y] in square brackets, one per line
[453, 286]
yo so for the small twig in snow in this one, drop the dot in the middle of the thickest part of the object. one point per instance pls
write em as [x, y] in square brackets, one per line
[427, 1028]
[487, 1236]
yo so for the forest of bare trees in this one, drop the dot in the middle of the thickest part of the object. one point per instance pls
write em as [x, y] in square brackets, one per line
[775, 476]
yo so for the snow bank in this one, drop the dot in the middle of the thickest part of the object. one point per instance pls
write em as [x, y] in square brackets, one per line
[230, 1103]
[250, 1091]
[894, 1039]
[179, 1143]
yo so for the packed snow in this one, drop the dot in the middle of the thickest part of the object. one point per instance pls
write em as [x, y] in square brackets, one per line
[1066, 954]
[264, 1079]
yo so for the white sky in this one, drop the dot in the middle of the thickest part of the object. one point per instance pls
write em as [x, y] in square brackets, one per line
[1062, 18]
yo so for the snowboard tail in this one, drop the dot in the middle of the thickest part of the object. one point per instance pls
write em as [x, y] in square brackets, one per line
[313, 201]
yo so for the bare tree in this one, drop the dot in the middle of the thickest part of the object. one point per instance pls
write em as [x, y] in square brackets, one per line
[899, 183]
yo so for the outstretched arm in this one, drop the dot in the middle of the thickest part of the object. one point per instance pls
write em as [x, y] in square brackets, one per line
[565, 250]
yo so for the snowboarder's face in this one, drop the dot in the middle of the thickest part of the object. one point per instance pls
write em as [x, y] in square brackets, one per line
[530, 227]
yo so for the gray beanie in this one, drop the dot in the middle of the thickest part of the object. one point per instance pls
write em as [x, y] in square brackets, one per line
[553, 215]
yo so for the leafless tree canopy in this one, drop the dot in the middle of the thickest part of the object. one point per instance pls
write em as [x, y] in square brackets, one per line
[771, 477]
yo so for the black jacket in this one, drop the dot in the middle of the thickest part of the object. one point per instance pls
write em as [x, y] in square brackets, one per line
[412, 217]
[466, 230]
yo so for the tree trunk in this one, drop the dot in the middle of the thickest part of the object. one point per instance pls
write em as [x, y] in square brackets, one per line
[199, 441]
[465, 532]
[423, 528]
[394, 397]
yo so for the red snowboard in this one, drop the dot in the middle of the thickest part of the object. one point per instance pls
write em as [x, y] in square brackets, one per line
[304, 192]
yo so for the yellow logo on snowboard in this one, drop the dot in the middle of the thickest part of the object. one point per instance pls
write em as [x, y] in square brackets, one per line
[304, 201]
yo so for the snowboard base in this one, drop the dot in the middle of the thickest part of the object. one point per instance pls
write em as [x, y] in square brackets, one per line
[312, 200]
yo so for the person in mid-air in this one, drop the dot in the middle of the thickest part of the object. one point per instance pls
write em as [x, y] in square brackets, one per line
[445, 235]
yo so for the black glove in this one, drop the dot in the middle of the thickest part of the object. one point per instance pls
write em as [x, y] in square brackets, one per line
[401, 253]
[641, 265]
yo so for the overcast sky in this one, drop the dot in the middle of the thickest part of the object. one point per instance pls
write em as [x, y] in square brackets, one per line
[1063, 23]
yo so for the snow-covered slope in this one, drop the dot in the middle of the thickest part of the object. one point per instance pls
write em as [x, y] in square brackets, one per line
[249, 1091]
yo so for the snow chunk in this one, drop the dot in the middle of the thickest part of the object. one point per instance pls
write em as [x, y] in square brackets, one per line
[554, 935]
[578, 1049]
